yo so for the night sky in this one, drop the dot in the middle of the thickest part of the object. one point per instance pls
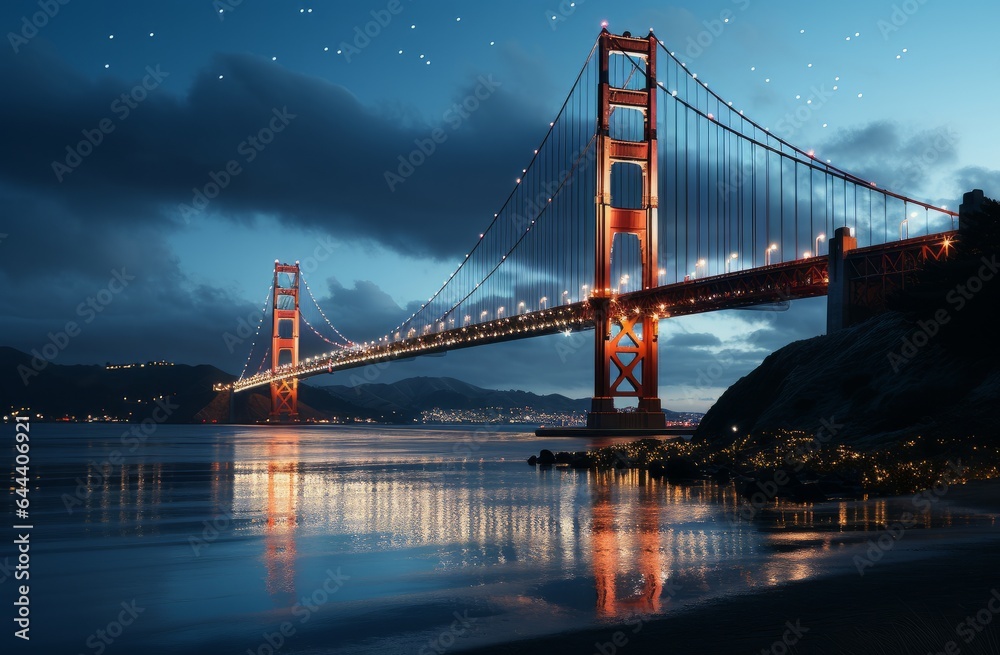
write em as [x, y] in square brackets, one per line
[903, 92]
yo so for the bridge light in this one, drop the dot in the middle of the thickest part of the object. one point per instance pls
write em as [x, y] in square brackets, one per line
[905, 224]
[731, 259]
[767, 254]
[821, 237]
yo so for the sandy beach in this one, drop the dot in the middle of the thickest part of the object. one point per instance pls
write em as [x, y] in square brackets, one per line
[946, 602]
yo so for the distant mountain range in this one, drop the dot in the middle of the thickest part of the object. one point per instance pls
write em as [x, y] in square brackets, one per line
[57, 391]
[184, 394]
[422, 393]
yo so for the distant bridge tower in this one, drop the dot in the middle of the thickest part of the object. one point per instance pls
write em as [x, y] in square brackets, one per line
[285, 342]
[625, 346]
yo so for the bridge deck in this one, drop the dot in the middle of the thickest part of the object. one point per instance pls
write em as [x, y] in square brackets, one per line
[802, 278]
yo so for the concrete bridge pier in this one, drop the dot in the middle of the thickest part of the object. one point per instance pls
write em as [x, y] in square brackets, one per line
[972, 202]
[861, 281]
[838, 297]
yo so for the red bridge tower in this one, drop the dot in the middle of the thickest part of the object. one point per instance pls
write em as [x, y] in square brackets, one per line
[285, 341]
[625, 346]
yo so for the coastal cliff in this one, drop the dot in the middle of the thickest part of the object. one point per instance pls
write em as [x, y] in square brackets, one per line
[930, 367]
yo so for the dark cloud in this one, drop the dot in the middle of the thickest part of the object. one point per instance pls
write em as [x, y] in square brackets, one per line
[893, 157]
[693, 340]
[362, 310]
[327, 166]
[978, 177]
[119, 205]
[766, 331]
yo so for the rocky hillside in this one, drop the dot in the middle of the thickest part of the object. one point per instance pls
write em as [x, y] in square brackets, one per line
[930, 368]
[853, 380]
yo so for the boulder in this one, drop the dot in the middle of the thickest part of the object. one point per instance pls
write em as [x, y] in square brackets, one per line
[564, 458]
[720, 475]
[807, 492]
[657, 468]
[682, 468]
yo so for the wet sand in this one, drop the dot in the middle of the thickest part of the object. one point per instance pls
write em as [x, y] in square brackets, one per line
[914, 607]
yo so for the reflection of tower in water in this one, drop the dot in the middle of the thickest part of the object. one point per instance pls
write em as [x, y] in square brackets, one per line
[282, 457]
[607, 537]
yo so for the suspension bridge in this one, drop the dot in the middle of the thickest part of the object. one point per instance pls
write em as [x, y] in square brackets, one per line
[649, 197]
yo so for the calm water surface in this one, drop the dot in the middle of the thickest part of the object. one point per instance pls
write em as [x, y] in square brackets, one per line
[374, 540]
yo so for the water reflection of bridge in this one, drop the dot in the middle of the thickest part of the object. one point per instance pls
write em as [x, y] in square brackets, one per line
[631, 534]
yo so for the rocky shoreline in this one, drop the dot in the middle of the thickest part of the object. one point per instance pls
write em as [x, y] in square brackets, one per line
[796, 466]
